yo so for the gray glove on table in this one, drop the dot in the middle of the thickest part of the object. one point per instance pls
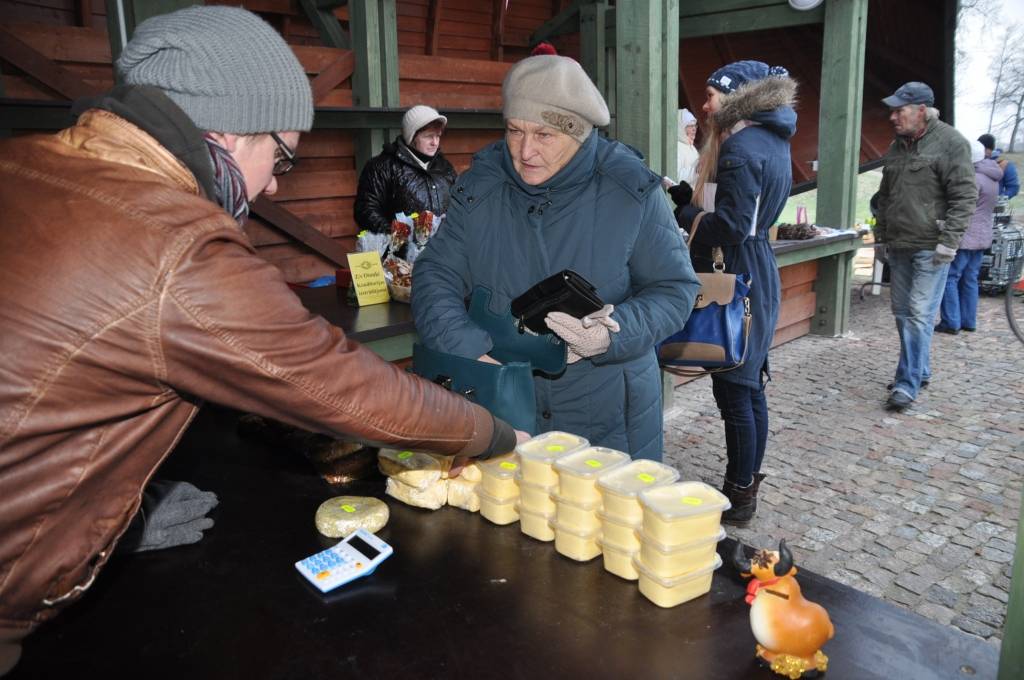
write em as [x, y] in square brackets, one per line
[943, 255]
[172, 513]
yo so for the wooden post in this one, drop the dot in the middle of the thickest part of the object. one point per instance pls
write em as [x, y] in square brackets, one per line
[83, 13]
[124, 15]
[839, 123]
[374, 28]
[4, 131]
[1011, 657]
[498, 30]
[643, 47]
[433, 26]
[592, 43]
[670, 87]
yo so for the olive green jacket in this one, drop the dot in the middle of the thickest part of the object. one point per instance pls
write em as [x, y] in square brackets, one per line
[928, 192]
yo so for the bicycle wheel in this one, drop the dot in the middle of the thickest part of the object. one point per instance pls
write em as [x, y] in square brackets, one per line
[1014, 301]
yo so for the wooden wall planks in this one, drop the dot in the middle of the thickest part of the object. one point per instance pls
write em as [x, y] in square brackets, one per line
[322, 188]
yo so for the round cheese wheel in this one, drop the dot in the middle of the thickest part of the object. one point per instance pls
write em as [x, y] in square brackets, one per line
[340, 516]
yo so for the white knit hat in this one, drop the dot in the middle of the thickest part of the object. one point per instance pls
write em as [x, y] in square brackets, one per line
[554, 91]
[417, 118]
[977, 151]
[686, 119]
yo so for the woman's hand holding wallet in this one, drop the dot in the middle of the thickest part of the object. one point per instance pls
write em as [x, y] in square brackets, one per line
[586, 337]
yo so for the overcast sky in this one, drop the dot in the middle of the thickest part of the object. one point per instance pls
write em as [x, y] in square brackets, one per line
[973, 84]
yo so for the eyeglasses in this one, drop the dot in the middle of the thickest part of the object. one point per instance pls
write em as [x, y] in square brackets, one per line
[284, 157]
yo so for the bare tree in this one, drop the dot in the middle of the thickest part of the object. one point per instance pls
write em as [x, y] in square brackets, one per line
[1012, 97]
[998, 67]
[971, 13]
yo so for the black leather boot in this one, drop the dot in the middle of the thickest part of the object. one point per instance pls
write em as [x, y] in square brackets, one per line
[758, 478]
[744, 503]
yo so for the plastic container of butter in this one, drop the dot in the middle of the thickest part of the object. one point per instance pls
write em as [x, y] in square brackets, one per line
[536, 524]
[536, 497]
[618, 561]
[620, 487]
[673, 561]
[683, 512]
[625, 535]
[579, 516]
[498, 476]
[669, 592]
[537, 454]
[575, 544]
[578, 472]
[498, 510]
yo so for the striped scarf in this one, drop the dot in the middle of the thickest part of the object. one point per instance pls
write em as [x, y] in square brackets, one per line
[228, 181]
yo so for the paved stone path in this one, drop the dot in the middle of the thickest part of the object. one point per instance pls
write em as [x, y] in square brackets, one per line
[918, 508]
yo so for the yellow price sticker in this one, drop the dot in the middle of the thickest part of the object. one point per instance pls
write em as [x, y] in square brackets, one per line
[645, 478]
[556, 448]
[508, 466]
[404, 455]
[690, 500]
[593, 463]
[348, 508]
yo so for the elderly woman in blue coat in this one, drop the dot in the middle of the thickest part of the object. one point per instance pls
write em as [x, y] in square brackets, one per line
[553, 195]
[750, 115]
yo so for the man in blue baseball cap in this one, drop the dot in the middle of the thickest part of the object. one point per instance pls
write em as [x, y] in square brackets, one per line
[925, 203]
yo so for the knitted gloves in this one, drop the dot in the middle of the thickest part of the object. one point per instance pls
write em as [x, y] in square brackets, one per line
[172, 513]
[943, 255]
[586, 337]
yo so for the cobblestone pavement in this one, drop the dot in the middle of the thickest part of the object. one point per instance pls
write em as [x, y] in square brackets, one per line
[918, 508]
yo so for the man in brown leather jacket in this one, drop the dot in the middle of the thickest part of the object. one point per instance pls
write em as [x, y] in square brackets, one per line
[129, 294]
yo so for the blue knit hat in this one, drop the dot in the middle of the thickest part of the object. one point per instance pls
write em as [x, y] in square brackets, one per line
[730, 77]
[227, 69]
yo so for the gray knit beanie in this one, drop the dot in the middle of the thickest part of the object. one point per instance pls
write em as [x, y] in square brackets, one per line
[226, 68]
[554, 91]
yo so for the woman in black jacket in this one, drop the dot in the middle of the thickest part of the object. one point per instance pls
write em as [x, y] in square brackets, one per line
[410, 174]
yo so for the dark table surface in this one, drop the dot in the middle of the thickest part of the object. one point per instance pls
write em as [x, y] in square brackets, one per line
[391, 319]
[460, 598]
[364, 324]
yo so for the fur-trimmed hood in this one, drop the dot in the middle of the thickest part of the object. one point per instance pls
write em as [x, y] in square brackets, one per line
[768, 102]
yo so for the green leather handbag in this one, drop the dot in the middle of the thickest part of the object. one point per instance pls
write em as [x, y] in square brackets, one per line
[506, 390]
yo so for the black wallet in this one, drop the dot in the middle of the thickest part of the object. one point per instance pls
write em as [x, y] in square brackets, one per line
[566, 292]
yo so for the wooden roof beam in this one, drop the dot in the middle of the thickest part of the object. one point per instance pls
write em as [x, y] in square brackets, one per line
[321, 15]
[46, 71]
[566, 21]
[285, 220]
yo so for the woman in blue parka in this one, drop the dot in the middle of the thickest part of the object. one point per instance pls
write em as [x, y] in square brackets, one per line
[554, 195]
[749, 108]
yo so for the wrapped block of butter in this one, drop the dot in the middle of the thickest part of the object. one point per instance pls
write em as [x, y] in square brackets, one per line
[418, 470]
[340, 516]
[432, 497]
[462, 494]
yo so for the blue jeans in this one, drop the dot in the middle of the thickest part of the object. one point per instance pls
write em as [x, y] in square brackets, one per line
[916, 286]
[960, 301]
[745, 414]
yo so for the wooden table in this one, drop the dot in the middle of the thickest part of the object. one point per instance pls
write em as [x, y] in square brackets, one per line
[386, 328]
[460, 598]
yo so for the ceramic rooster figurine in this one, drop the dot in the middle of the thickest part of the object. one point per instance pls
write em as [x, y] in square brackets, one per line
[789, 630]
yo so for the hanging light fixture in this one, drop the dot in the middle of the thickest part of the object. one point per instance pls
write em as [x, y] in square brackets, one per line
[804, 5]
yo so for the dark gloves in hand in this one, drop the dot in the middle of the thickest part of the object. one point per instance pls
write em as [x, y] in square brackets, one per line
[172, 513]
[681, 194]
